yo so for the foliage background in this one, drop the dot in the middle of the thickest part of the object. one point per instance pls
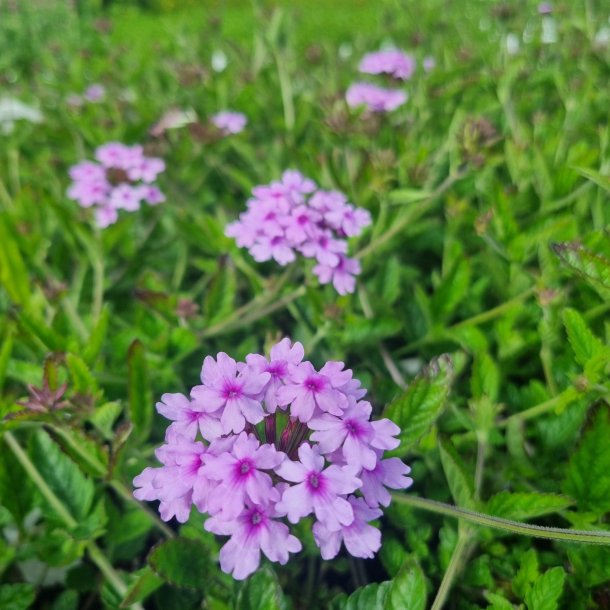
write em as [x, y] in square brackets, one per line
[489, 191]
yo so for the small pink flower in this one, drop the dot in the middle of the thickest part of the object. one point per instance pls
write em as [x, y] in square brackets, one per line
[236, 393]
[341, 275]
[374, 98]
[318, 490]
[386, 473]
[360, 538]
[230, 122]
[394, 62]
[255, 530]
[189, 417]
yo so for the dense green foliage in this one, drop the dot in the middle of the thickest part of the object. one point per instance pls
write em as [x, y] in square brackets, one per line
[485, 291]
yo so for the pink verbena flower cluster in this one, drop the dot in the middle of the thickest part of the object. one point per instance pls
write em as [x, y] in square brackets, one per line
[271, 440]
[291, 216]
[121, 178]
[393, 62]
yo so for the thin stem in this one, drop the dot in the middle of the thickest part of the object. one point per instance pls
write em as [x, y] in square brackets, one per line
[514, 527]
[98, 286]
[455, 563]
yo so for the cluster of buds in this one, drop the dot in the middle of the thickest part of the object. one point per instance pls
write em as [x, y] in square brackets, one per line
[291, 216]
[121, 178]
[264, 443]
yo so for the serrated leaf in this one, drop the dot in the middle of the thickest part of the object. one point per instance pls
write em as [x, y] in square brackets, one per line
[497, 602]
[141, 409]
[104, 416]
[461, 482]
[526, 505]
[407, 589]
[546, 591]
[145, 583]
[592, 266]
[416, 410]
[371, 597]
[81, 377]
[588, 473]
[584, 343]
[485, 380]
[261, 591]
[590, 564]
[62, 475]
[181, 562]
[527, 574]
[16, 597]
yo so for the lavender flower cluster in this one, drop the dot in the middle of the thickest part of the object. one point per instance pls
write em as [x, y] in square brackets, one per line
[272, 439]
[393, 62]
[292, 216]
[121, 178]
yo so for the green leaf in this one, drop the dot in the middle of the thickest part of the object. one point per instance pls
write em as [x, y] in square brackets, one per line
[67, 600]
[145, 583]
[141, 408]
[97, 338]
[416, 410]
[371, 597]
[5, 354]
[13, 272]
[261, 592]
[593, 267]
[407, 589]
[392, 555]
[16, 597]
[527, 574]
[497, 602]
[588, 473]
[526, 505]
[590, 564]
[406, 195]
[599, 179]
[584, 343]
[485, 380]
[182, 562]
[546, 591]
[104, 416]
[461, 483]
[83, 381]
[452, 290]
[62, 475]
[220, 299]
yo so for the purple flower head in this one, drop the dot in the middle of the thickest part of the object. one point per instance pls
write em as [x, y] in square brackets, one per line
[229, 122]
[120, 179]
[396, 63]
[291, 217]
[374, 98]
[254, 470]
[360, 538]
[545, 8]
[429, 63]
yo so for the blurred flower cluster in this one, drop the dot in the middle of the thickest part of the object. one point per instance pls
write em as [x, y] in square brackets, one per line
[392, 62]
[291, 216]
[121, 178]
[273, 439]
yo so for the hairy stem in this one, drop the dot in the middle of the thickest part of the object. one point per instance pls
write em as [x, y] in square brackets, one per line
[457, 559]
[515, 527]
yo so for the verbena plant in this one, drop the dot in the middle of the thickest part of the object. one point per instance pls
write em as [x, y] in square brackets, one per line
[478, 321]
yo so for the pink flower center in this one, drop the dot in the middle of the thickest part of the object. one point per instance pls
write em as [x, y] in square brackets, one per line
[231, 391]
[314, 384]
[256, 518]
[245, 466]
[276, 369]
[353, 427]
[315, 482]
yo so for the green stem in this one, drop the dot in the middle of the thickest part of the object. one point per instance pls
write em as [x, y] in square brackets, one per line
[455, 563]
[494, 312]
[514, 527]
[94, 551]
[98, 287]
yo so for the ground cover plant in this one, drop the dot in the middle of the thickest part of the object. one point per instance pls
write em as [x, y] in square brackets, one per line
[464, 172]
